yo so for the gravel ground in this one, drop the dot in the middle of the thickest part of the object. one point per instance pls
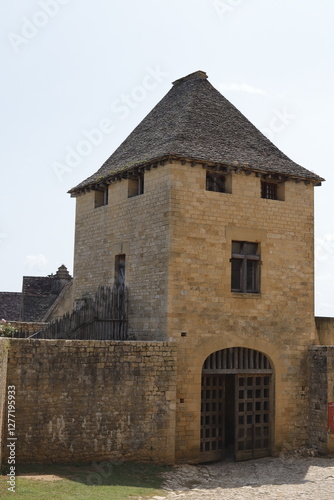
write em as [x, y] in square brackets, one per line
[266, 478]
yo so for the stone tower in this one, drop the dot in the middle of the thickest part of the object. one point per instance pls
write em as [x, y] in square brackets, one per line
[211, 227]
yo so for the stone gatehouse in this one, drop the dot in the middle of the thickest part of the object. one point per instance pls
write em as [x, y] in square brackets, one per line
[210, 227]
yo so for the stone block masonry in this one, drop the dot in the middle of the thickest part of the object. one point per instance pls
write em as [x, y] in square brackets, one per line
[278, 321]
[177, 239]
[325, 329]
[321, 369]
[137, 227]
[82, 401]
[25, 329]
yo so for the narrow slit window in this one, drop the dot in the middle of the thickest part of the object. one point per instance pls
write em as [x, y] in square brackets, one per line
[120, 269]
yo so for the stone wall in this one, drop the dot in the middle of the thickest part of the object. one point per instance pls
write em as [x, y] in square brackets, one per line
[177, 238]
[321, 370]
[278, 321]
[87, 400]
[137, 227]
[26, 328]
[325, 329]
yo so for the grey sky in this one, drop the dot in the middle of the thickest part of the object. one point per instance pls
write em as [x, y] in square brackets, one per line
[71, 67]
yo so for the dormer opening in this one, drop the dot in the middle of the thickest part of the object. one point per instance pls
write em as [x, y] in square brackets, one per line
[136, 185]
[101, 197]
[218, 182]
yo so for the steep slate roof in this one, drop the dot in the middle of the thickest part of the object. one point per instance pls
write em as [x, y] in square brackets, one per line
[10, 305]
[39, 293]
[195, 122]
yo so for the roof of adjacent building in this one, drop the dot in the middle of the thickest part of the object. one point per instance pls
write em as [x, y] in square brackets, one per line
[195, 122]
[10, 305]
[38, 295]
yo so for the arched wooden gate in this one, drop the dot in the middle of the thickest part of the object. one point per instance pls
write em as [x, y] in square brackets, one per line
[236, 405]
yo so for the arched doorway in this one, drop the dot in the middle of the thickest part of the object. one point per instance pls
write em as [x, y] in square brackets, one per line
[236, 405]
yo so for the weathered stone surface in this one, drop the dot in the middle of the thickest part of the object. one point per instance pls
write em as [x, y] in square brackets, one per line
[26, 328]
[325, 329]
[89, 401]
[321, 370]
[267, 478]
[177, 240]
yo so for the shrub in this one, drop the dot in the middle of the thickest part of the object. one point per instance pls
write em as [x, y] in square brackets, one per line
[6, 329]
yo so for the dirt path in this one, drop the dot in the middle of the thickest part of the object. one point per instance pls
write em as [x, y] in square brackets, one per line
[265, 478]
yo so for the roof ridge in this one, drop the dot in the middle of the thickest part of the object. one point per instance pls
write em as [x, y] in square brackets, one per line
[192, 76]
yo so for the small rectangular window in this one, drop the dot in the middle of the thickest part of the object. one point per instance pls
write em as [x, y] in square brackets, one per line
[269, 190]
[136, 185]
[215, 182]
[101, 197]
[273, 190]
[245, 267]
[120, 269]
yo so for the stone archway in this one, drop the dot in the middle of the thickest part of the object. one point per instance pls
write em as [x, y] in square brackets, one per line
[237, 411]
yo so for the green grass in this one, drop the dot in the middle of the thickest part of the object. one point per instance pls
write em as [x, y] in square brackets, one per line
[107, 480]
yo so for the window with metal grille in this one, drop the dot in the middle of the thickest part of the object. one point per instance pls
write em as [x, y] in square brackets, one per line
[215, 182]
[269, 190]
[245, 263]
